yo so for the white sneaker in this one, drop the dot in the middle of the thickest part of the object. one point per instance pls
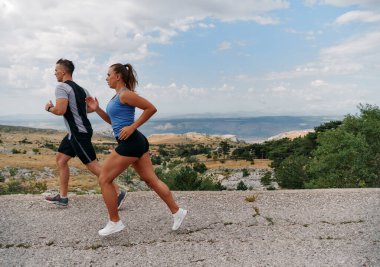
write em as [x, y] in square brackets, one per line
[111, 228]
[178, 217]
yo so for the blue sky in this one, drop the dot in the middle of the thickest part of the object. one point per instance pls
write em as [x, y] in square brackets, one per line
[243, 58]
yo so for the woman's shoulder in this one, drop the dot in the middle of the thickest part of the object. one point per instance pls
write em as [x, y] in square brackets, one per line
[126, 96]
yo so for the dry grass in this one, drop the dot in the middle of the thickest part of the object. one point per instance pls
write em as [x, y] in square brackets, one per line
[188, 138]
[83, 181]
[35, 155]
[258, 163]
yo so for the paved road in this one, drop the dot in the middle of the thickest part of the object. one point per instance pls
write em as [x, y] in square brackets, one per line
[280, 228]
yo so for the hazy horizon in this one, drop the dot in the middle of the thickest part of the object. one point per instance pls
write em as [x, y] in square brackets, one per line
[244, 128]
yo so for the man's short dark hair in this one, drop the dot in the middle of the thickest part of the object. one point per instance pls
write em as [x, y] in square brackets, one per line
[67, 64]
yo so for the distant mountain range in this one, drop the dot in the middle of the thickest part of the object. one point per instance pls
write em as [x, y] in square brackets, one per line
[244, 128]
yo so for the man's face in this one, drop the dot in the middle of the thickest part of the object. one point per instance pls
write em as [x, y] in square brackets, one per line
[59, 72]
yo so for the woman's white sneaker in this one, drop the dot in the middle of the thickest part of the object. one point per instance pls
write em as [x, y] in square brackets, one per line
[178, 217]
[111, 228]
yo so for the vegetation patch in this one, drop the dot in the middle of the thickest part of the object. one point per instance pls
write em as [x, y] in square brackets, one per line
[251, 198]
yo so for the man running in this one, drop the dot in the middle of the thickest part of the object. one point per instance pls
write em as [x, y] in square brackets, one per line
[70, 103]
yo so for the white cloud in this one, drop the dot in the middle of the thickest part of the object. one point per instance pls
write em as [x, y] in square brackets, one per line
[95, 34]
[361, 45]
[164, 127]
[279, 89]
[317, 83]
[224, 46]
[206, 26]
[357, 15]
[357, 55]
[344, 3]
[308, 35]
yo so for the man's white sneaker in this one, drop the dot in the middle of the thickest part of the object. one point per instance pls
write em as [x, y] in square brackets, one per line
[178, 217]
[112, 227]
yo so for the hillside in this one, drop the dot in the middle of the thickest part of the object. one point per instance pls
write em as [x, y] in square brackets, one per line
[29, 153]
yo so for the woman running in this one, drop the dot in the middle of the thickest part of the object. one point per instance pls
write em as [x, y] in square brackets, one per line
[132, 148]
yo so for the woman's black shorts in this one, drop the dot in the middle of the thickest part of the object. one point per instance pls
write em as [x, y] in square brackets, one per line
[135, 146]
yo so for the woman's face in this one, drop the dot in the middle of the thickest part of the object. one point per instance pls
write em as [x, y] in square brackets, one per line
[112, 78]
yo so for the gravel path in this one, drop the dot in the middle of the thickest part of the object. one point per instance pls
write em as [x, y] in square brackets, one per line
[280, 228]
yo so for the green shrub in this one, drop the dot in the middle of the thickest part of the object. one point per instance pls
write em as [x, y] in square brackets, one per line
[291, 173]
[34, 187]
[241, 186]
[186, 180]
[101, 149]
[3, 189]
[200, 167]
[25, 141]
[127, 176]
[156, 160]
[14, 187]
[266, 179]
[50, 146]
[12, 171]
[245, 173]
[15, 151]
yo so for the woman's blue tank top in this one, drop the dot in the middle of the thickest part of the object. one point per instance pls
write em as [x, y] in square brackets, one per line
[121, 115]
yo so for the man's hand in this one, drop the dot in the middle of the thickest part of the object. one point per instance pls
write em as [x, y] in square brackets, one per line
[49, 105]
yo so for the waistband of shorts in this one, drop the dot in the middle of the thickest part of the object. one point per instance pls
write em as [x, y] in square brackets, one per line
[133, 134]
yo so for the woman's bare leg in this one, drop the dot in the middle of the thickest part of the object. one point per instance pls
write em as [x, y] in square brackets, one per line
[113, 166]
[144, 168]
[95, 168]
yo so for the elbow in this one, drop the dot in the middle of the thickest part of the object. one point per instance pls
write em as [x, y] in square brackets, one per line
[60, 112]
[153, 109]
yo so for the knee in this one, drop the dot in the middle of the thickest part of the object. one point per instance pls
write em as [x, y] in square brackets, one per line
[61, 162]
[103, 180]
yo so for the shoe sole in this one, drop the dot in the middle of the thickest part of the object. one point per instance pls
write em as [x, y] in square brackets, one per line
[122, 201]
[112, 232]
[180, 223]
[56, 203]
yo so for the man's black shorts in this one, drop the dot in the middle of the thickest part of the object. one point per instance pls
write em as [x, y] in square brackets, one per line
[78, 145]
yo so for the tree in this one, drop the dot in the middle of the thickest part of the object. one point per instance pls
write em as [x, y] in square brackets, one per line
[340, 160]
[267, 178]
[156, 160]
[162, 151]
[291, 173]
[186, 180]
[200, 167]
[191, 160]
[225, 147]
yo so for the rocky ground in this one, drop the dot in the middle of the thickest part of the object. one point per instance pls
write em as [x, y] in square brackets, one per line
[273, 228]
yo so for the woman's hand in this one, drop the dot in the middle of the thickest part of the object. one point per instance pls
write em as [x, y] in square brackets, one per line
[126, 131]
[92, 103]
